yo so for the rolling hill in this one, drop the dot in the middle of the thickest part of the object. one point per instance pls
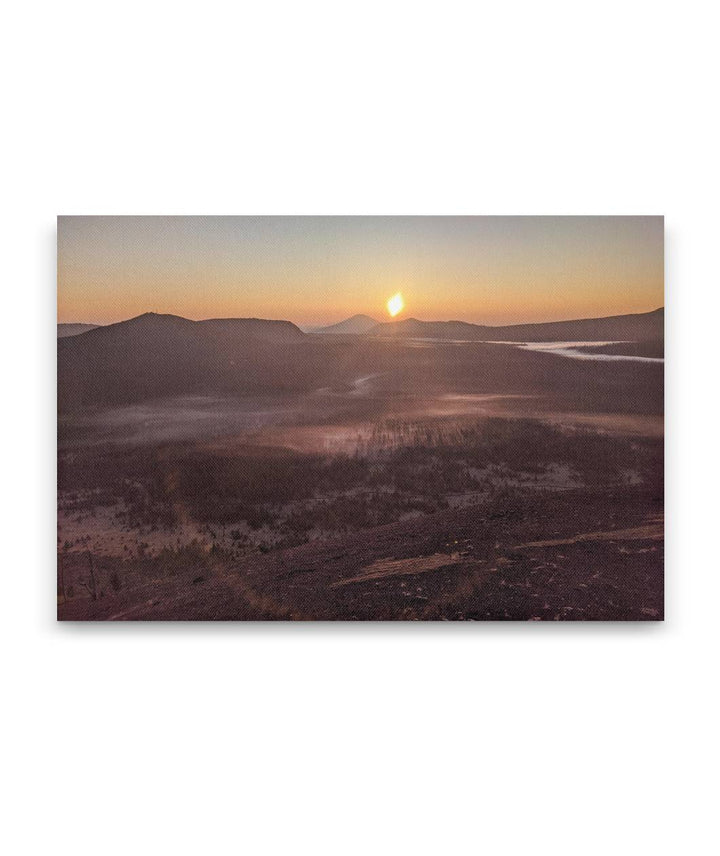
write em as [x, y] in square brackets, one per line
[645, 326]
[357, 325]
[160, 355]
[65, 330]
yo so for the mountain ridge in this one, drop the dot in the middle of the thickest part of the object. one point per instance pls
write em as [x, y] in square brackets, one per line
[647, 325]
[66, 330]
[154, 355]
[354, 325]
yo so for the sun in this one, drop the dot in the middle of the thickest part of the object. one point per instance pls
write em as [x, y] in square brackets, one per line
[396, 304]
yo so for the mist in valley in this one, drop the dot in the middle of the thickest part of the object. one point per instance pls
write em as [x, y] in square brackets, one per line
[270, 453]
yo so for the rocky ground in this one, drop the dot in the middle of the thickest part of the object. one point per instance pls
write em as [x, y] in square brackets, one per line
[569, 556]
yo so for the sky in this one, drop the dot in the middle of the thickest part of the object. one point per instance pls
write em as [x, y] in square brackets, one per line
[317, 270]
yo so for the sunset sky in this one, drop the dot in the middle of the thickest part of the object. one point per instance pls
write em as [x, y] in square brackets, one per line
[494, 270]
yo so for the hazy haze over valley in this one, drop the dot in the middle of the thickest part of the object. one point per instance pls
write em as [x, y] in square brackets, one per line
[231, 443]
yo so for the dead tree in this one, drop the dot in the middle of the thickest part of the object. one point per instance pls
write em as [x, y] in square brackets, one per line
[61, 570]
[93, 587]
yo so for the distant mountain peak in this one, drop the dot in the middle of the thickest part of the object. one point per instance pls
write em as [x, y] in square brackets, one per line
[153, 316]
[355, 325]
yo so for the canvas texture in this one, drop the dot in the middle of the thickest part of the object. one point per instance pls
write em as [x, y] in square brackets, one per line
[360, 418]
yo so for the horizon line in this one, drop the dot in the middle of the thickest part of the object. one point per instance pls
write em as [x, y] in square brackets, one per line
[333, 323]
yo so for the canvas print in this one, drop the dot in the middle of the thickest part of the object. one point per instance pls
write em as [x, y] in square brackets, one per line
[360, 418]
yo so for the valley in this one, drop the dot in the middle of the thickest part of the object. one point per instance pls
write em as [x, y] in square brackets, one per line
[337, 476]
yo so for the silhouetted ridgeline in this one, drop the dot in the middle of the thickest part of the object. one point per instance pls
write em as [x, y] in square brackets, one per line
[158, 355]
[642, 327]
[64, 330]
[356, 325]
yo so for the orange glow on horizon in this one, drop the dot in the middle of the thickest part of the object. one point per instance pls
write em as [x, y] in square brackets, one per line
[320, 270]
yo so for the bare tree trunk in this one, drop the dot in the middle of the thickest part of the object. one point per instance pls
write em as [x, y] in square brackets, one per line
[93, 589]
[61, 569]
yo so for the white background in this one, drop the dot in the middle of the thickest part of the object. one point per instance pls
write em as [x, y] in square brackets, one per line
[499, 739]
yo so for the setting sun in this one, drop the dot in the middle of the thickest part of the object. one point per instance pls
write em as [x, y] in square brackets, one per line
[396, 304]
